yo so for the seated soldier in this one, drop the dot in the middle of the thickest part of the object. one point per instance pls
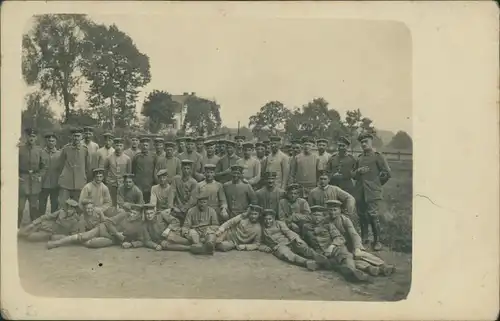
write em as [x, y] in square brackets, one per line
[56, 225]
[125, 227]
[325, 238]
[162, 194]
[242, 232]
[182, 188]
[364, 261]
[98, 192]
[215, 192]
[161, 231]
[285, 244]
[294, 210]
[129, 194]
[200, 226]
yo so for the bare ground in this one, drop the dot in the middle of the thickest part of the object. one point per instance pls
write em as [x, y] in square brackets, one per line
[142, 273]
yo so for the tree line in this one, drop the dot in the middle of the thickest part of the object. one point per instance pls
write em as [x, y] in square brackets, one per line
[65, 54]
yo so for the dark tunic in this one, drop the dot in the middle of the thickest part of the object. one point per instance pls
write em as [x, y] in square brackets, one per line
[238, 196]
[143, 167]
[340, 168]
[32, 168]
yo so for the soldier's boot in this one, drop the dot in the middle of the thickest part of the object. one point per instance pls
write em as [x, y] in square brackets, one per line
[63, 241]
[311, 265]
[348, 270]
[387, 269]
[321, 260]
[197, 248]
[209, 248]
[363, 225]
[375, 224]
[373, 270]
[176, 247]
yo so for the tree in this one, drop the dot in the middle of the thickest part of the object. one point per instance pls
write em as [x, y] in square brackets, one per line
[38, 113]
[160, 110]
[271, 117]
[115, 73]
[82, 117]
[401, 141]
[202, 116]
[53, 52]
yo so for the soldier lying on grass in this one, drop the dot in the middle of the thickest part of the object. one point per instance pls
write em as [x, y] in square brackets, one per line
[242, 232]
[56, 225]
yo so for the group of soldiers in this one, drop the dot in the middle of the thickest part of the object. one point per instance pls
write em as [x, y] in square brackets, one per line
[200, 196]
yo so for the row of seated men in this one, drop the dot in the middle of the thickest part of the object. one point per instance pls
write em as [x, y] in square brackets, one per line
[201, 217]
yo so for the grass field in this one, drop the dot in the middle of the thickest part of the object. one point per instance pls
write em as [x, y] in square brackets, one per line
[141, 273]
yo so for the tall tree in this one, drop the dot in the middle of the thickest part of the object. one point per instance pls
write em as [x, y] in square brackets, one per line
[160, 110]
[53, 52]
[116, 72]
[270, 118]
[401, 141]
[38, 113]
[202, 116]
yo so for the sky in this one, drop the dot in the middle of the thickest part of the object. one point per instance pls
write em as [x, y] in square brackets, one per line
[247, 61]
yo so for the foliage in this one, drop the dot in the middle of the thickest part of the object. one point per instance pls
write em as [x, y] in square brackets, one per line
[401, 141]
[231, 132]
[202, 116]
[271, 117]
[38, 113]
[53, 53]
[82, 117]
[355, 123]
[116, 71]
[160, 110]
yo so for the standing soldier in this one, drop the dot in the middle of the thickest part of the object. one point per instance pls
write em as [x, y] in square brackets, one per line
[192, 155]
[221, 148]
[239, 195]
[32, 168]
[105, 151]
[161, 194]
[181, 145]
[267, 144]
[134, 146]
[92, 147]
[210, 155]
[50, 186]
[251, 166]
[159, 143]
[325, 192]
[323, 155]
[75, 162]
[182, 188]
[170, 163]
[143, 166]
[270, 195]
[260, 155]
[128, 193]
[115, 166]
[223, 169]
[98, 193]
[238, 140]
[215, 192]
[340, 166]
[200, 146]
[304, 168]
[277, 162]
[287, 149]
[294, 210]
[371, 172]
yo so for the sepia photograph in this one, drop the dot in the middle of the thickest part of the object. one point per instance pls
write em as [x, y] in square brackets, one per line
[239, 157]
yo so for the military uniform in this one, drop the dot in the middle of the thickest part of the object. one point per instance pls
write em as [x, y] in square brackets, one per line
[50, 186]
[32, 168]
[279, 163]
[98, 193]
[171, 164]
[128, 196]
[296, 213]
[340, 168]
[239, 195]
[251, 170]
[215, 193]
[304, 171]
[182, 189]
[104, 152]
[320, 195]
[115, 166]
[162, 196]
[200, 227]
[143, 168]
[239, 231]
[223, 169]
[163, 232]
[197, 160]
[270, 198]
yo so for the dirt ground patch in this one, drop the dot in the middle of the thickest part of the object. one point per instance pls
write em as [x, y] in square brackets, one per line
[141, 273]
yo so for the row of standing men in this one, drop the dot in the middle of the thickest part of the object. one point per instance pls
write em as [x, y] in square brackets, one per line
[62, 174]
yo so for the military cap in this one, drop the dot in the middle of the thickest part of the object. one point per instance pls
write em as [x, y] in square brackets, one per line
[170, 144]
[222, 141]
[321, 140]
[248, 145]
[210, 166]
[72, 202]
[148, 206]
[230, 142]
[260, 144]
[333, 203]
[256, 208]
[270, 174]
[98, 170]
[210, 142]
[127, 175]
[117, 140]
[162, 172]
[144, 138]
[108, 134]
[323, 172]
[266, 142]
[200, 139]
[239, 137]
[180, 139]
[364, 136]
[317, 208]
[159, 139]
[269, 211]
[134, 135]
[344, 140]
[187, 162]
[275, 139]
[307, 139]
[295, 141]
[237, 167]
[50, 134]
[75, 130]
[188, 139]
[88, 129]
[288, 145]
[202, 196]
[292, 187]
[87, 201]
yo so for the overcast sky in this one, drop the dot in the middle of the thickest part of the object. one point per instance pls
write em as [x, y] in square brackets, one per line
[245, 62]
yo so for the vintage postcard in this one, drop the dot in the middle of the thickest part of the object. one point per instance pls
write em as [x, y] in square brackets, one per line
[249, 160]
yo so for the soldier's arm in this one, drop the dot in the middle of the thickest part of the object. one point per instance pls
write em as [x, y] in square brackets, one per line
[214, 220]
[347, 199]
[133, 168]
[171, 193]
[282, 210]
[385, 170]
[252, 196]
[285, 170]
[337, 238]
[120, 200]
[88, 164]
[153, 199]
[310, 198]
[146, 239]
[222, 198]
[354, 172]
[291, 235]
[140, 197]
[293, 170]
[187, 223]
[256, 174]
[42, 166]
[173, 223]
[82, 196]
[229, 223]
[351, 230]
[107, 203]
[129, 165]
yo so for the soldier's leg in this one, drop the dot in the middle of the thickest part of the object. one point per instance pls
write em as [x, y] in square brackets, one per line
[20, 209]
[367, 267]
[98, 242]
[284, 253]
[64, 195]
[209, 242]
[38, 236]
[343, 261]
[361, 208]
[75, 194]
[175, 242]
[56, 237]
[304, 250]
[76, 238]
[225, 246]
[113, 191]
[147, 196]
[42, 200]
[373, 209]
[33, 203]
[193, 236]
[174, 238]
[54, 199]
